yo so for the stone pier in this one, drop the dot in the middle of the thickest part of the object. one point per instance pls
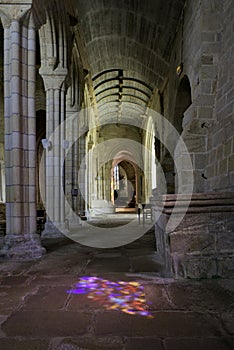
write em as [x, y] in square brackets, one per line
[202, 245]
[21, 241]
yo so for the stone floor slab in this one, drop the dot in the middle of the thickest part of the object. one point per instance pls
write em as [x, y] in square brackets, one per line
[54, 280]
[228, 320]
[47, 298]
[14, 280]
[89, 343]
[26, 344]
[47, 324]
[198, 343]
[108, 264]
[11, 298]
[157, 298]
[57, 265]
[143, 343]
[164, 324]
[144, 263]
[82, 302]
[199, 296]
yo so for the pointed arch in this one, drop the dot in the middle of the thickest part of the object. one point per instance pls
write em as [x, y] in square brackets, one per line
[183, 101]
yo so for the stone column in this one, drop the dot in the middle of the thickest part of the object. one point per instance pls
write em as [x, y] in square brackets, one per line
[82, 174]
[107, 176]
[54, 154]
[90, 184]
[71, 162]
[21, 241]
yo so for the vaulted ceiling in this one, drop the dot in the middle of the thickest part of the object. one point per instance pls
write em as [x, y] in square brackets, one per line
[132, 35]
[128, 45]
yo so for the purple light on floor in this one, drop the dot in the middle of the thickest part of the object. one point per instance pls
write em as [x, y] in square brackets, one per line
[78, 291]
[128, 297]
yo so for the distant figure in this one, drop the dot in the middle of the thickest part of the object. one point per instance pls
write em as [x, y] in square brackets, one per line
[115, 194]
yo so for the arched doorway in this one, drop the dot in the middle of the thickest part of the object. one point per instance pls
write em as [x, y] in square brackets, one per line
[183, 101]
[40, 134]
[150, 160]
[126, 181]
[124, 185]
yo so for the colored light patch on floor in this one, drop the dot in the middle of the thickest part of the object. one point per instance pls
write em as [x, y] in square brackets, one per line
[128, 297]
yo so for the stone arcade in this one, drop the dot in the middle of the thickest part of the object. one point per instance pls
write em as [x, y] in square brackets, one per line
[110, 109]
[106, 67]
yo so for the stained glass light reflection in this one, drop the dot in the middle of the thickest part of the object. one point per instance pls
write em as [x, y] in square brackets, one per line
[128, 297]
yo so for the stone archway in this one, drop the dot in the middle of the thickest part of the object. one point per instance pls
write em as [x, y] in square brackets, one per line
[40, 134]
[124, 184]
[183, 101]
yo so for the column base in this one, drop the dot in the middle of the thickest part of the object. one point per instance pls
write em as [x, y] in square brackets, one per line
[52, 232]
[101, 206]
[22, 247]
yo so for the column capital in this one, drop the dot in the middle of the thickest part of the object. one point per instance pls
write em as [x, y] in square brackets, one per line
[53, 79]
[13, 10]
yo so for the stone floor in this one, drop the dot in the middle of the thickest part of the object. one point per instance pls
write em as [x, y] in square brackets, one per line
[37, 311]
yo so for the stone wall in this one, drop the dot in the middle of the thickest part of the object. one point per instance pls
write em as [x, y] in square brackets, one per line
[203, 43]
[201, 245]
[220, 169]
[188, 50]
